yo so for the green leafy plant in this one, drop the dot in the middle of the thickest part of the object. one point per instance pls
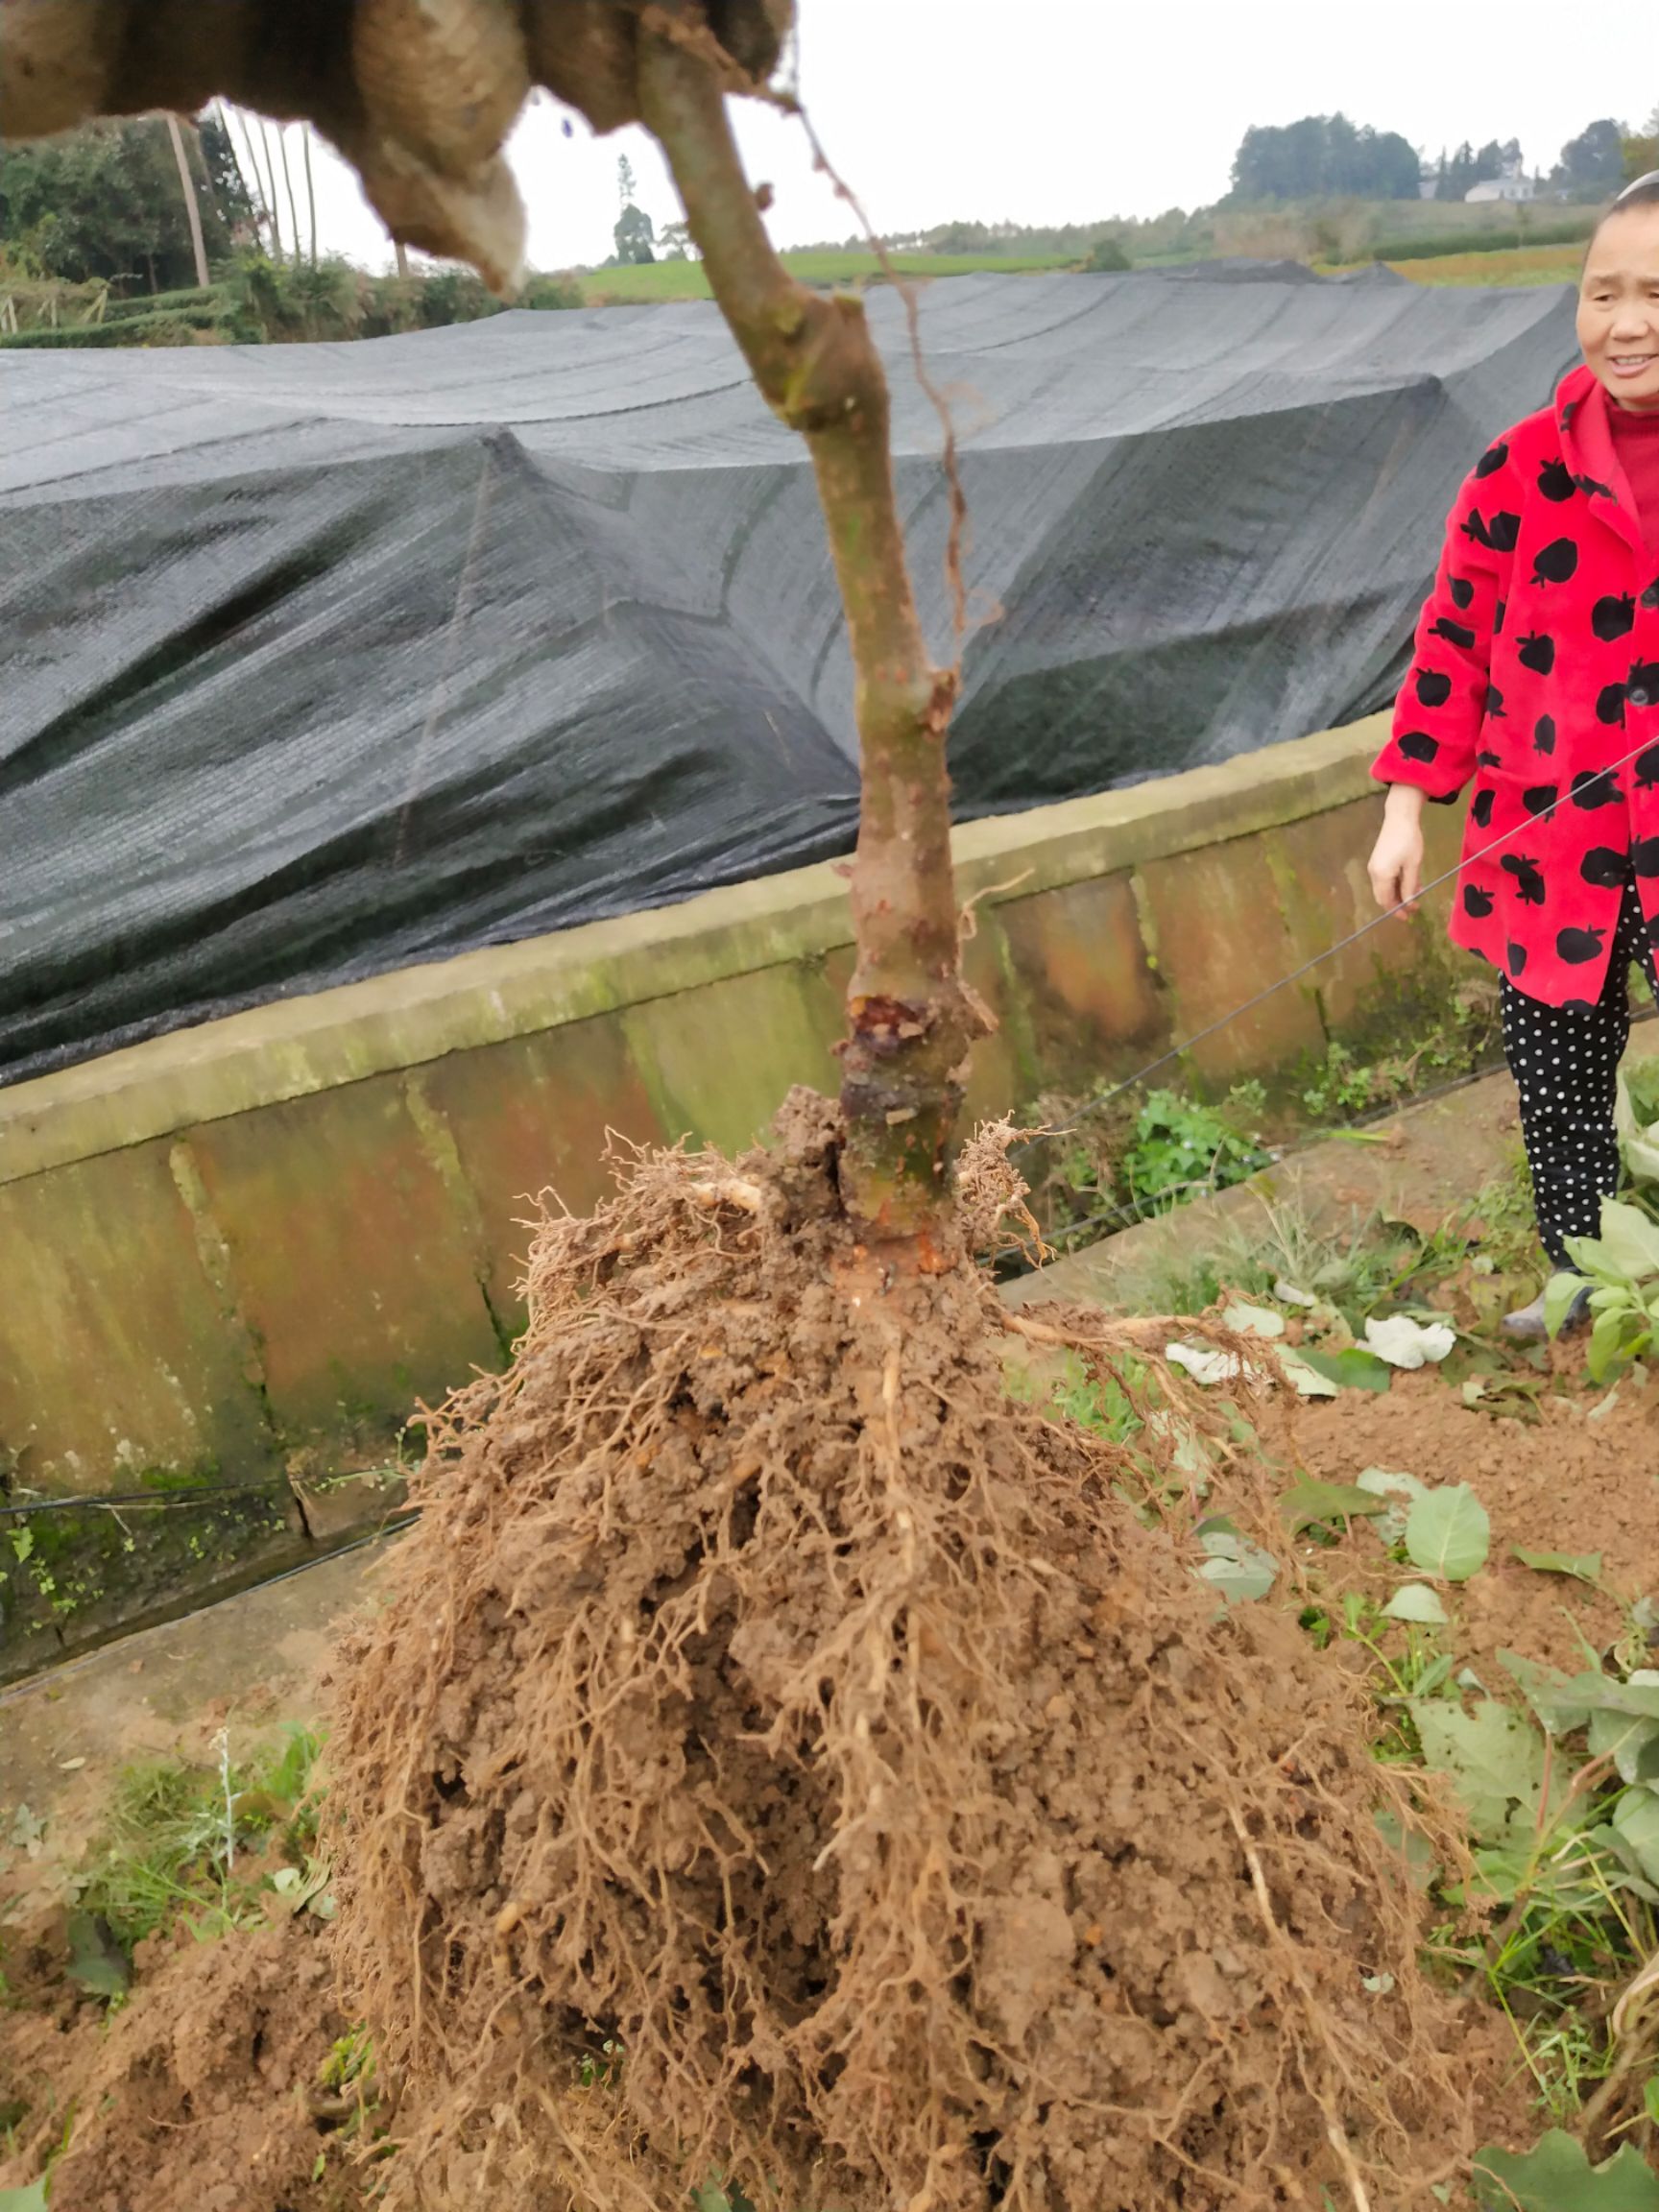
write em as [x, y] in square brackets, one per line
[1556, 2175]
[1622, 1264]
[174, 1832]
[1180, 1148]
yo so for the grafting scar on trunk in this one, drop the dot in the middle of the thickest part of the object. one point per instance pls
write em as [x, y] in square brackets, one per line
[912, 1018]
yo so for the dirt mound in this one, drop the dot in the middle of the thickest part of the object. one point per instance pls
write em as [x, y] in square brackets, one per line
[199, 2093]
[781, 1753]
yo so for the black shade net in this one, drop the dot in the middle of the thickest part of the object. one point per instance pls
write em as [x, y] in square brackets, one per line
[316, 660]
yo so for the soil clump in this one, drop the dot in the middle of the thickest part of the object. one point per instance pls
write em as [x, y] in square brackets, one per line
[200, 2092]
[780, 1754]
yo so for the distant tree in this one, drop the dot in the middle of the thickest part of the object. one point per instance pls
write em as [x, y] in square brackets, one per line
[105, 203]
[1107, 256]
[632, 233]
[675, 240]
[1593, 163]
[1321, 156]
[635, 236]
[1641, 151]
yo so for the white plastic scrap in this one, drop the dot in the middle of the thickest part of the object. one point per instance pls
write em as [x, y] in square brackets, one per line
[1205, 1364]
[1406, 1343]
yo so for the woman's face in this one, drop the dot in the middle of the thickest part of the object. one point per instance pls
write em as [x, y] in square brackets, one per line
[1618, 308]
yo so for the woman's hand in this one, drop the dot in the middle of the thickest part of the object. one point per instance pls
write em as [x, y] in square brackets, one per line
[1396, 863]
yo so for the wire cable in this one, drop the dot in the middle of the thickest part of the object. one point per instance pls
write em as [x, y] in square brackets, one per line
[1175, 1053]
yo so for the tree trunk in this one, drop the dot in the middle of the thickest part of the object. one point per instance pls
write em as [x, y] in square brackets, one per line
[403, 253]
[262, 212]
[270, 194]
[912, 1018]
[288, 182]
[310, 187]
[192, 207]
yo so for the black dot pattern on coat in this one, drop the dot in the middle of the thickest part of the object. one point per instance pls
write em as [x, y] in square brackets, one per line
[1594, 787]
[1528, 878]
[1556, 562]
[1614, 617]
[1463, 592]
[1434, 687]
[1537, 653]
[1565, 1062]
[1543, 733]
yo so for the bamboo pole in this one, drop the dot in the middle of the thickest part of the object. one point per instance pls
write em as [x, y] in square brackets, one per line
[258, 187]
[270, 194]
[288, 183]
[192, 208]
[310, 187]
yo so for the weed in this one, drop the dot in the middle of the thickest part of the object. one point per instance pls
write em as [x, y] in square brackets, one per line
[174, 1831]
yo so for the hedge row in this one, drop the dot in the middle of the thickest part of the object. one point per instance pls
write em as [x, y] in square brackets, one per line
[1489, 241]
[169, 327]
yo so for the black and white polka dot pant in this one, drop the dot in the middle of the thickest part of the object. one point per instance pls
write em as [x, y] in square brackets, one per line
[1565, 1062]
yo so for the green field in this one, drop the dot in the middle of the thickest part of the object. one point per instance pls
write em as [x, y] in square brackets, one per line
[1520, 265]
[655, 281]
[658, 281]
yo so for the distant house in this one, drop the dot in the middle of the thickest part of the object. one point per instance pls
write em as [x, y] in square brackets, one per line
[1513, 184]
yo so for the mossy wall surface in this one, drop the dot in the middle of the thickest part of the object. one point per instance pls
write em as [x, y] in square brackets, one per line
[245, 1253]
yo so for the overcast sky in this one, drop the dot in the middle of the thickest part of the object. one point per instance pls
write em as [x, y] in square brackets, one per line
[1073, 110]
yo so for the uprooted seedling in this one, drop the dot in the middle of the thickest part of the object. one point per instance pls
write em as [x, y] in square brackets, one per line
[767, 1698]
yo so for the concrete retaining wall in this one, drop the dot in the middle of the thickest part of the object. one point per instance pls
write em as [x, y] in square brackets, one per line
[241, 1253]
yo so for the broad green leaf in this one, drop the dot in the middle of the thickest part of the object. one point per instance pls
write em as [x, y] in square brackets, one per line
[1416, 1601]
[30, 2200]
[1307, 1381]
[1636, 1817]
[1412, 1845]
[1447, 1533]
[1252, 1320]
[1312, 1501]
[1619, 1333]
[1612, 1845]
[1566, 1701]
[1399, 1489]
[1233, 1566]
[97, 1962]
[1650, 2097]
[1493, 1759]
[1624, 1737]
[1556, 2175]
[1629, 1239]
[1585, 1566]
[1558, 1699]
[1559, 1293]
[1352, 1369]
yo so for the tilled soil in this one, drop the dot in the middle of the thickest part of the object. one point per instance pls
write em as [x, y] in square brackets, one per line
[1581, 1478]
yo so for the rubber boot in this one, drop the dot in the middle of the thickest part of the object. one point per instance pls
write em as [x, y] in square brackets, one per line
[1526, 1324]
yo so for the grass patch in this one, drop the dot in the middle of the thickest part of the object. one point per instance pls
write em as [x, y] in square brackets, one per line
[205, 1844]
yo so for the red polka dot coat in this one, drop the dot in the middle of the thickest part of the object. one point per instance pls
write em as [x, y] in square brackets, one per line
[1536, 674]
